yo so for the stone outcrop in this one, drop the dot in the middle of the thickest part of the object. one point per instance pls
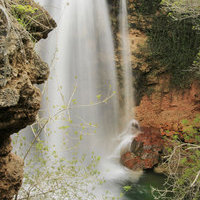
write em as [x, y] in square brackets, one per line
[20, 69]
[145, 151]
[11, 170]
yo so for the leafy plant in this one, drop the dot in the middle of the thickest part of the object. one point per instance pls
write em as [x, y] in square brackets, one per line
[188, 11]
[191, 130]
[183, 165]
[21, 12]
[127, 188]
[50, 174]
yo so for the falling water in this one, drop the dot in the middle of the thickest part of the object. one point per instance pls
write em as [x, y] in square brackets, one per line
[84, 77]
[83, 86]
[128, 93]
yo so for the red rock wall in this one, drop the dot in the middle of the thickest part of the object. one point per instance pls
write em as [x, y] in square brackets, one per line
[166, 110]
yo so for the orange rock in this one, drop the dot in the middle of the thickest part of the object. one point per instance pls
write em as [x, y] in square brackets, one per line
[166, 110]
[145, 150]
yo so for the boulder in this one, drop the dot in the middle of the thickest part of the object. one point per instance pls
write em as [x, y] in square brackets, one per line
[145, 150]
[11, 171]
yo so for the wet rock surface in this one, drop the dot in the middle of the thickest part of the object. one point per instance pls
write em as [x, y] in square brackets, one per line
[145, 150]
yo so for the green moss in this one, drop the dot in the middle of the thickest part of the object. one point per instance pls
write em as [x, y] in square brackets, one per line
[21, 11]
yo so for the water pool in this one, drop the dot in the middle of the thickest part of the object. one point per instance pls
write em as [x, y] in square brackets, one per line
[142, 189]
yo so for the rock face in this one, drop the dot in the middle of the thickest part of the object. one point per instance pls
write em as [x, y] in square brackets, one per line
[11, 171]
[166, 110]
[20, 69]
[145, 150]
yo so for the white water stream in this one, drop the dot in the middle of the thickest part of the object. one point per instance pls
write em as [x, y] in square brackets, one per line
[83, 78]
[128, 90]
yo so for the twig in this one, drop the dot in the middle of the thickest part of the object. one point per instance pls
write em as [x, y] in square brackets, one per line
[70, 99]
[36, 137]
[197, 176]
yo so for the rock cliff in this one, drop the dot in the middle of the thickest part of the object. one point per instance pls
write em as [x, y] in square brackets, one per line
[20, 69]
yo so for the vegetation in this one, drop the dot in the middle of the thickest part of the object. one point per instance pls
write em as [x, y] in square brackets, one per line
[51, 175]
[183, 164]
[174, 41]
[184, 10]
[21, 12]
[147, 7]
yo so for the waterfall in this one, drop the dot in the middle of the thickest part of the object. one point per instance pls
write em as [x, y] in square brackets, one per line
[85, 70]
[128, 92]
[81, 96]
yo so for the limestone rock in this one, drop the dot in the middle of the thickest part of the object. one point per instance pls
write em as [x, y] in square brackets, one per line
[20, 69]
[11, 173]
[40, 22]
[8, 97]
[11, 170]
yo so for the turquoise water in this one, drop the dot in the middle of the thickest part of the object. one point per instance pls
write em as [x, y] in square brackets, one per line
[142, 189]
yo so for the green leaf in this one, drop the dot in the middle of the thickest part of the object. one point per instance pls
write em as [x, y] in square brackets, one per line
[81, 137]
[127, 188]
[183, 161]
[99, 96]
[63, 127]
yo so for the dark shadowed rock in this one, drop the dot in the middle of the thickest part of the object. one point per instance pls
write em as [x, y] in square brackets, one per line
[11, 173]
[5, 146]
[11, 170]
